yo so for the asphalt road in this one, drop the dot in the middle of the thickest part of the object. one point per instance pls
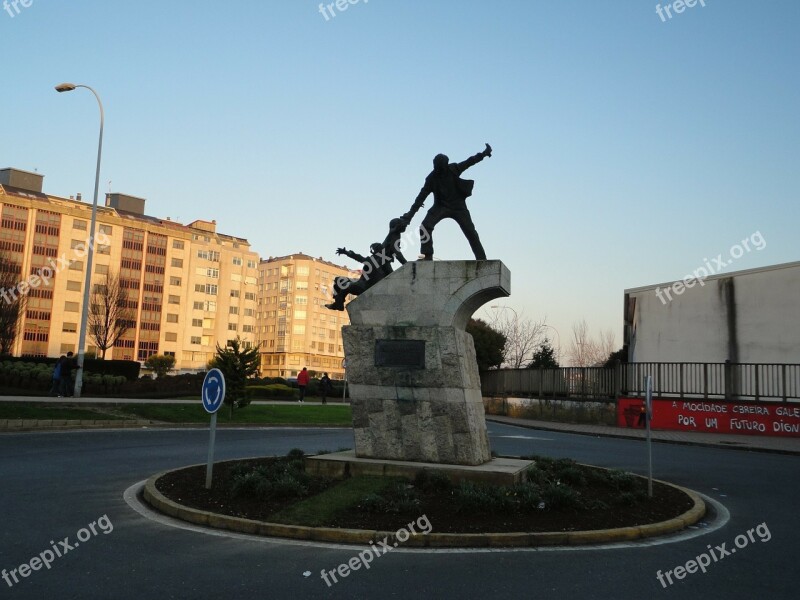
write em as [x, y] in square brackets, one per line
[52, 485]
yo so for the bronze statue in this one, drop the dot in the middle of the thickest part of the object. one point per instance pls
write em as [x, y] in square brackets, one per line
[450, 194]
[374, 268]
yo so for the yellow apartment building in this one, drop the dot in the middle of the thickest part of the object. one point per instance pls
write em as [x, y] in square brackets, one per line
[189, 287]
[295, 328]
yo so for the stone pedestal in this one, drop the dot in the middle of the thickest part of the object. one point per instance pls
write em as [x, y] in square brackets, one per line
[411, 368]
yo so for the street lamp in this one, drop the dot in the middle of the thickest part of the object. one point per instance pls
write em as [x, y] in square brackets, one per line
[87, 282]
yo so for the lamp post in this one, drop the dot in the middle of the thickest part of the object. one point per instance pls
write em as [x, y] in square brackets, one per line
[87, 282]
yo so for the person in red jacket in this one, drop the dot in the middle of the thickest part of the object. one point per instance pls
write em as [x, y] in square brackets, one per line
[302, 382]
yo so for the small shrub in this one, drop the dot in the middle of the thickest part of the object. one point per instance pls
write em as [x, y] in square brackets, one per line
[433, 481]
[558, 497]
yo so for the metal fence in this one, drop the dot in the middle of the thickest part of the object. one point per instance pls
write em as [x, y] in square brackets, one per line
[729, 381]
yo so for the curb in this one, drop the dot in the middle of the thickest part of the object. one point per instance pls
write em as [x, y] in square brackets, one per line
[621, 436]
[19, 425]
[432, 540]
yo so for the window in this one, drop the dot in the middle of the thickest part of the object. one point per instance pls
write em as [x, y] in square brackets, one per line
[177, 262]
[212, 273]
[67, 348]
[76, 265]
[249, 312]
[174, 299]
[170, 353]
[231, 326]
[237, 260]
[106, 229]
[250, 296]
[211, 306]
[74, 286]
[247, 328]
[234, 293]
[70, 306]
[234, 310]
[69, 327]
[177, 244]
[198, 306]
[175, 281]
[299, 314]
[79, 224]
[211, 289]
[78, 244]
[299, 330]
[197, 322]
[302, 270]
[251, 264]
[171, 337]
[301, 300]
[103, 249]
[195, 340]
[101, 269]
[172, 318]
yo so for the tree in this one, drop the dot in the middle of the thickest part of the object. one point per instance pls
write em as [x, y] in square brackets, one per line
[544, 357]
[12, 303]
[110, 315]
[160, 364]
[522, 335]
[586, 352]
[237, 364]
[620, 355]
[489, 344]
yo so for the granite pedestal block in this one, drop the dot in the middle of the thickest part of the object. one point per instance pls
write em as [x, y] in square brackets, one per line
[411, 368]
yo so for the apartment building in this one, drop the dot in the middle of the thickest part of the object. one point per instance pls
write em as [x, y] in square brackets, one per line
[294, 327]
[189, 287]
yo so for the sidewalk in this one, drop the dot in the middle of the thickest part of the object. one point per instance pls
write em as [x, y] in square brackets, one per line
[753, 443]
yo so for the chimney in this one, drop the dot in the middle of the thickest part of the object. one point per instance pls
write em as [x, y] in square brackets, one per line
[78, 197]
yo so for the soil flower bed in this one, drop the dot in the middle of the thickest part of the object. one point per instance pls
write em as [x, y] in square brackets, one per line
[559, 495]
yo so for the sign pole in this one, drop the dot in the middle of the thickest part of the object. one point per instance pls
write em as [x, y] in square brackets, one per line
[648, 416]
[210, 465]
[212, 395]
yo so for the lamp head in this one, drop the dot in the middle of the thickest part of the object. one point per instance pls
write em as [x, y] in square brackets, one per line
[65, 87]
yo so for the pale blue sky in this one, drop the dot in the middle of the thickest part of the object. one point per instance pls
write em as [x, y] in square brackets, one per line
[626, 149]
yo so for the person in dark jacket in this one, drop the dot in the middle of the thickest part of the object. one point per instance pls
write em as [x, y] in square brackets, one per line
[68, 365]
[325, 387]
[450, 194]
[56, 389]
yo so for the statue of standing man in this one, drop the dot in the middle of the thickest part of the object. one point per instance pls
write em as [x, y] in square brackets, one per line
[450, 194]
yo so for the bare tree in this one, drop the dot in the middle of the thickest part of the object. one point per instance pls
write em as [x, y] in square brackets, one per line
[12, 303]
[584, 351]
[523, 337]
[109, 313]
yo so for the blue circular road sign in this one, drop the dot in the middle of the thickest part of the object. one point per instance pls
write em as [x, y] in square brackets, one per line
[213, 392]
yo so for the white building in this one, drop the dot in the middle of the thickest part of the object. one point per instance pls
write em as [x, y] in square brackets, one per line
[750, 316]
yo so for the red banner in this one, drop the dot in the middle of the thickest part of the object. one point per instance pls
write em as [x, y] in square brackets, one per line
[713, 416]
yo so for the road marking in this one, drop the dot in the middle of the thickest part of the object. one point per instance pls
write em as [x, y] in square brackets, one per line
[524, 437]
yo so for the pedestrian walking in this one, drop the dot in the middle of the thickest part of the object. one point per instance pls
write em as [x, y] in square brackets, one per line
[302, 382]
[68, 365]
[325, 387]
[55, 390]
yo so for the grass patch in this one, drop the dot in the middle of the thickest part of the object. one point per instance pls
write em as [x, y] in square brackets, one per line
[322, 508]
[262, 414]
[18, 410]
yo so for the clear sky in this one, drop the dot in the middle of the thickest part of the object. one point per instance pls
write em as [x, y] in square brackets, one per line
[628, 147]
